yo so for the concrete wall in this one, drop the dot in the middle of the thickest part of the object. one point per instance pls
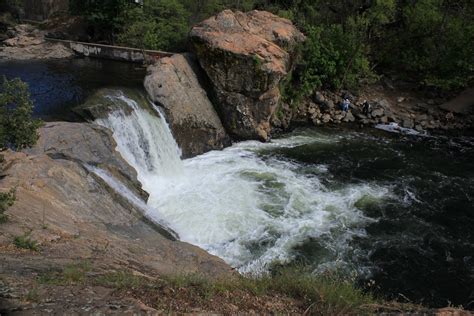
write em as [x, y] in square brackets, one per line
[112, 52]
[39, 10]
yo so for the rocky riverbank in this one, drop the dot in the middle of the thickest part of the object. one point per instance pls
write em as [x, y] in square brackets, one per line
[26, 42]
[404, 108]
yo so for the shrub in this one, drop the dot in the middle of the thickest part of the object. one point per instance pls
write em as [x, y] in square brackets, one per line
[26, 242]
[6, 200]
[17, 127]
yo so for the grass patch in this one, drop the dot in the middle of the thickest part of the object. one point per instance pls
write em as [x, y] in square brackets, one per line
[310, 294]
[320, 295]
[32, 295]
[70, 275]
[26, 242]
[120, 280]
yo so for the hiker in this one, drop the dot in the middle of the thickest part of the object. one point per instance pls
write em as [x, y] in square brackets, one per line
[366, 108]
[345, 105]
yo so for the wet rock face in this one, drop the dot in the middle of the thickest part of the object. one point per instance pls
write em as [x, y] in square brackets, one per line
[246, 55]
[173, 84]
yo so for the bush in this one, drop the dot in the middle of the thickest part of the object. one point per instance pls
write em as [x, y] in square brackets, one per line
[6, 200]
[14, 7]
[105, 17]
[17, 127]
[26, 242]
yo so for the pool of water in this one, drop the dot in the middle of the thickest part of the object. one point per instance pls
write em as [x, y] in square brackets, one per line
[56, 86]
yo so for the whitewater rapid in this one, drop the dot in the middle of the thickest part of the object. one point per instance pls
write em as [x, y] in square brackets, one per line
[249, 207]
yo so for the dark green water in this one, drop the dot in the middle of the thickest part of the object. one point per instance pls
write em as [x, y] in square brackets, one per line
[421, 246]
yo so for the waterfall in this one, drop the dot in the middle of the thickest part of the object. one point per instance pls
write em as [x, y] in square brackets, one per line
[143, 138]
[250, 209]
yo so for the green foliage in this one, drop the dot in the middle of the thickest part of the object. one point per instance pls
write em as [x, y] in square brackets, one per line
[430, 41]
[158, 24]
[14, 7]
[332, 58]
[26, 242]
[17, 127]
[6, 200]
[106, 17]
[433, 43]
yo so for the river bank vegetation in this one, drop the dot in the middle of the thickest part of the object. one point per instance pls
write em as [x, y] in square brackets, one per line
[348, 42]
[287, 291]
[17, 127]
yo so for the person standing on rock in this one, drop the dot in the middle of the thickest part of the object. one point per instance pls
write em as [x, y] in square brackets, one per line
[345, 104]
[366, 108]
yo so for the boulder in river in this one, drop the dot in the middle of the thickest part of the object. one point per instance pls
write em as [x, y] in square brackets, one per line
[246, 56]
[173, 83]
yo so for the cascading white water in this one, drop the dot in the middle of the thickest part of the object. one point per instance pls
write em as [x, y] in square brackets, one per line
[249, 209]
[143, 139]
[252, 211]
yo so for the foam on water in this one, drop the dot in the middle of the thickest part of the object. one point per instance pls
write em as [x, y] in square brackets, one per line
[395, 128]
[248, 208]
[143, 139]
[252, 211]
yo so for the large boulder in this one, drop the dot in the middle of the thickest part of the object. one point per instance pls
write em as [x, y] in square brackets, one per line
[173, 83]
[246, 56]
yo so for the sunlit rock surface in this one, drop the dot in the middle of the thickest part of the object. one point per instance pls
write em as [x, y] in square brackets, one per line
[246, 55]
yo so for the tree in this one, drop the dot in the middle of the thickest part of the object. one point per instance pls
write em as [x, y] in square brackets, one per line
[432, 41]
[17, 127]
[158, 24]
[105, 17]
